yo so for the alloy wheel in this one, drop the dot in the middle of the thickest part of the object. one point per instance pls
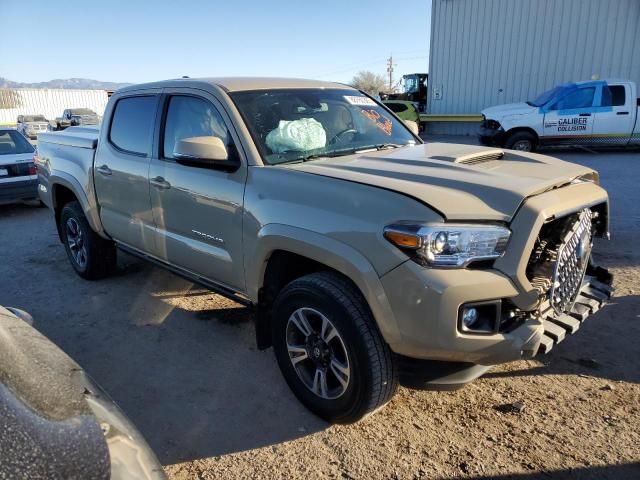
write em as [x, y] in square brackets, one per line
[318, 353]
[75, 240]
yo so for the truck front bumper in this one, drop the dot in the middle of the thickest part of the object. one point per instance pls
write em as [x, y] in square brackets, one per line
[491, 137]
[441, 357]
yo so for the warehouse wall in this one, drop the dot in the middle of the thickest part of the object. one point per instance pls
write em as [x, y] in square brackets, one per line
[488, 52]
[47, 102]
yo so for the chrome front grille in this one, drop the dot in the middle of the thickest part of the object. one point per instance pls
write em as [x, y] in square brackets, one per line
[571, 263]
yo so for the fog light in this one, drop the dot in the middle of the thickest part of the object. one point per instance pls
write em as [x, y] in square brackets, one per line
[480, 317]
[469, 317]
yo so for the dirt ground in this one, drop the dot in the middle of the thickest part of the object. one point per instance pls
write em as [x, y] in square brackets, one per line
[182, 364]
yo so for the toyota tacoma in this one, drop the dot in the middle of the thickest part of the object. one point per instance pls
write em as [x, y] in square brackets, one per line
[371, 258]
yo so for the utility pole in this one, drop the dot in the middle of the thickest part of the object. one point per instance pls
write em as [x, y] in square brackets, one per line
[390, 66]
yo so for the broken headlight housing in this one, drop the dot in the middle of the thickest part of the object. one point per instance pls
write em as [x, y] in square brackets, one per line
[449, 245]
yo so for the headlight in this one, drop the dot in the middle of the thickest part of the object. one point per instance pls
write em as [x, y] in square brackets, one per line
[591, 177]
[449, 245]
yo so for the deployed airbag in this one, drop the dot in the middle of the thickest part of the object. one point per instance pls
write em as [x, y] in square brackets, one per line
[297, 135]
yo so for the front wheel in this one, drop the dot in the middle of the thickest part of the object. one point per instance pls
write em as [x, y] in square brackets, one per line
[522, 141]
[329, 349]
[91, 256]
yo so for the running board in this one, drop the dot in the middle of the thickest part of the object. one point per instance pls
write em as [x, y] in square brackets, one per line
[187, 275]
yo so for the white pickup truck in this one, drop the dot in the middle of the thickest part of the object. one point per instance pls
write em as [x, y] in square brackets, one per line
[591, 113]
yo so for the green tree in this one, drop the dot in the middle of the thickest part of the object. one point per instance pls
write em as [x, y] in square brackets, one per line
[369, 82]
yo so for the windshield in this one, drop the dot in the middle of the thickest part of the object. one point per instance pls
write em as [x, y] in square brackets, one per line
[82, 111]
[12, 142]
[302, 124]
[410, 84]
[545, 97]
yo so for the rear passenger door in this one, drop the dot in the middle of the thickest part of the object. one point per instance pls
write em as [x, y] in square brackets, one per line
[121, 171]
[614, 118]
[198, 211]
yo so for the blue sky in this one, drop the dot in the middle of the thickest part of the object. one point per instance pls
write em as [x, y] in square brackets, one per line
[129, 41]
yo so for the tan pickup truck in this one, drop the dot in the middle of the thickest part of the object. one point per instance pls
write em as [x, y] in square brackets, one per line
[371, 257]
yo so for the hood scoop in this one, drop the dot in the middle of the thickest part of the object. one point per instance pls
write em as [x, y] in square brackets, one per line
[479, 157]
[471, 156]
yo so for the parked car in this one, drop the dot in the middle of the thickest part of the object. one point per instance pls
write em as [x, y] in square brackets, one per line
[18, 179]
[593, 113]
[75, 117]
[56, 422]
[31, 125]
[370, 257]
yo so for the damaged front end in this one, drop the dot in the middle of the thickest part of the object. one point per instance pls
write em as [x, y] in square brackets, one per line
[561, 268]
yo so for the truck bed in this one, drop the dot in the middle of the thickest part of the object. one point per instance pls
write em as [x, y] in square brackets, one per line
[83, 137]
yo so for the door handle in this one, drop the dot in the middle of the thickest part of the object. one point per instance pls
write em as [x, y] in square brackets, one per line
[160, 182]
[585, 114]
[622, 113]
[104, 170]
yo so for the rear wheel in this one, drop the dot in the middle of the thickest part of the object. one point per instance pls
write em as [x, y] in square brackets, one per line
[330, 350]
[522, 141]
[91, 256]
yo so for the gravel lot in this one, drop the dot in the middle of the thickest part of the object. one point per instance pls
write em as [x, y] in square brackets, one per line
[181, 362]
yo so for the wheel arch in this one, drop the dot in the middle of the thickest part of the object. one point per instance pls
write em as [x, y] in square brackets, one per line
[514, 130]
[284, 253]
[65, 188]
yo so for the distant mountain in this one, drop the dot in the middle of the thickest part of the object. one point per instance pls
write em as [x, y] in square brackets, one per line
[71, 83]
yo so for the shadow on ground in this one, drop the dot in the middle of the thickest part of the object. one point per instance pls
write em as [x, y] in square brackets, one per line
[616, 328]
[191, 378]
[626, 471]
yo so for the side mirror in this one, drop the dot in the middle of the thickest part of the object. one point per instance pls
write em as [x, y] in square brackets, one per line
[206, 152]
[413, 126]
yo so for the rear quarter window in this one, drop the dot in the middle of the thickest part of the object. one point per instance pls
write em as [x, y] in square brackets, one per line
[132, 124]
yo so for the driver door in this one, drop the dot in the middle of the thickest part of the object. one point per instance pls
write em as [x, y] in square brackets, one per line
[570, 119]
[198, 210]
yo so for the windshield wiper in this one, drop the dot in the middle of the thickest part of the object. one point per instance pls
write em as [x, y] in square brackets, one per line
[331, 154]
[381, 146]
[386, 146]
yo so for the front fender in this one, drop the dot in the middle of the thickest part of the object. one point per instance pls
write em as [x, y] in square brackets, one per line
[328, 251]
[531, 122]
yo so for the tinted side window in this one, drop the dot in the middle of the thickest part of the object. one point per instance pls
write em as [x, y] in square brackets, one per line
[613, 96]
[581, 98]
[132, 124]
[192, 117]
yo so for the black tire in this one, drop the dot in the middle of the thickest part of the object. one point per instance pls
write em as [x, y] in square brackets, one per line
[521, 141]
[99, 254]
[373, 378]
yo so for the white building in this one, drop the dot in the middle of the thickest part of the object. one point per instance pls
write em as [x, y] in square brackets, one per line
[489, 52]
[47, 102]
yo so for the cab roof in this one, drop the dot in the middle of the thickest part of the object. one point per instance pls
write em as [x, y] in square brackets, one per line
[237, 84]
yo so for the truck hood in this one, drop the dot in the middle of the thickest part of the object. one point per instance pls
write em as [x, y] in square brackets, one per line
[500, 111]
[461, 182]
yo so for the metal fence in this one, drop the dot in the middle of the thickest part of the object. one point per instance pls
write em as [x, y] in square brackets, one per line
[47, 102]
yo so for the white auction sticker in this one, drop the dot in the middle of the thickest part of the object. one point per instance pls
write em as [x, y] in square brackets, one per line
[354, 100]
